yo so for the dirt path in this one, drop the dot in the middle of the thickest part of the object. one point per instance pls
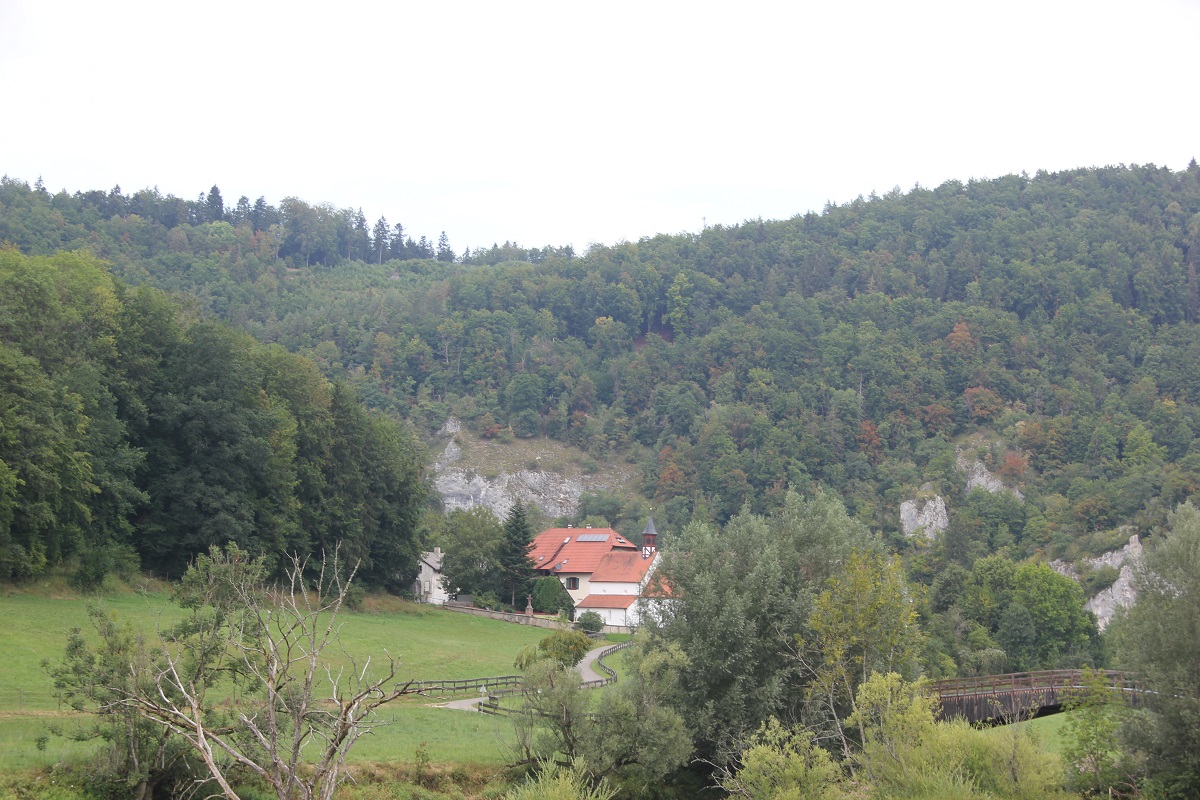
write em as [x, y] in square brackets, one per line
[586, 669]
[587, 666]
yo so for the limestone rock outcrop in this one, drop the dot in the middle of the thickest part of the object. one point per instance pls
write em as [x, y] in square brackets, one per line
[1122, 593]
[927, 515]
[462, 485]
[980, 477]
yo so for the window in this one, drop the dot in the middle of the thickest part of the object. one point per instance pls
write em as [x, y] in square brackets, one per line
[572, 583]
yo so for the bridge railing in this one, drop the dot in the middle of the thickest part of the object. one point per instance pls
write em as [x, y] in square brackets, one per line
[1060, 679]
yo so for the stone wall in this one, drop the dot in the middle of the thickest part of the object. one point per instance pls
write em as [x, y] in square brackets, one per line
[524, 619]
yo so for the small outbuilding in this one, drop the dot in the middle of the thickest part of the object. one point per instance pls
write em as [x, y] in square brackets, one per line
[428, 587]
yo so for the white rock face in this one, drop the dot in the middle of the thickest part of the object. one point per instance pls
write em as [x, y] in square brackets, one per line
[1122, 594]
[928, 516]
[556, 495]
[980, 477]
[451, 454]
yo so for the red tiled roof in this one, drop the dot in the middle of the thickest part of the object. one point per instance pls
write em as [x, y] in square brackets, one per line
[559, 549]
[607, 601]
[657, 587]
[623, 566]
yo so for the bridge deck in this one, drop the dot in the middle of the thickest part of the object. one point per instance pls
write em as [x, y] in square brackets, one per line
[1020, 695]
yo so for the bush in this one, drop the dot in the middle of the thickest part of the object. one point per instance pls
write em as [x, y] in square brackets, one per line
[590, 621]
[549, 596]
[95, 563]
[554, 782]
[1099, 579]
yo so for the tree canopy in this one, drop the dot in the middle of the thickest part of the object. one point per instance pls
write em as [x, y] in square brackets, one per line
[134, 429]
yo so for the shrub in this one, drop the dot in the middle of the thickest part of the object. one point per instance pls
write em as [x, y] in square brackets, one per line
[549, 596]
[1099, 579]
[590, 621]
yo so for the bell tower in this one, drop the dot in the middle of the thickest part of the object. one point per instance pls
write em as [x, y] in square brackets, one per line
[649, 539]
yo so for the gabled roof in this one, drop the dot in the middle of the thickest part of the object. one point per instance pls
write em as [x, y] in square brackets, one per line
[607, 601]
[575, 550]
[657, 587]
[623, 566]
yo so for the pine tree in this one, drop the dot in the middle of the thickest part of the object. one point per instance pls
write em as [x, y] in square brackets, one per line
[399, 250]
[258, 215]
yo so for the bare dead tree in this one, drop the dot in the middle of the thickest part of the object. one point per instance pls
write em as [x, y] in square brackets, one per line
[299, 717]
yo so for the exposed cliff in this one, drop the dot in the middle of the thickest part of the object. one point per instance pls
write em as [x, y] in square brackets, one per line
[1122, 593]
[980, 477]
[925, 513]
[472, 472]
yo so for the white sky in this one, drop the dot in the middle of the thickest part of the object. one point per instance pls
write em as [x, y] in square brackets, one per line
[561, 122]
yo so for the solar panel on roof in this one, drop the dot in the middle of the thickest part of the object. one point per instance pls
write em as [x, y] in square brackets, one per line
[592, 537]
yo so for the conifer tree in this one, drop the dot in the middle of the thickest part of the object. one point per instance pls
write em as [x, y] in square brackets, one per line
[381, 237]
[214, 205]
[516, 569]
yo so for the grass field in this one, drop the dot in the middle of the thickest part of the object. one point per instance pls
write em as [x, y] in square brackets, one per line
[430, 643]
[1048, 729]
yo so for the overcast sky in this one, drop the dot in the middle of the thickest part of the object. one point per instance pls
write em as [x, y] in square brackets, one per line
[572, 123]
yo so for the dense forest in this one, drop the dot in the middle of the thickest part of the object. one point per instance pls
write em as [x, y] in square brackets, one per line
[137, 433]
[1046, 324]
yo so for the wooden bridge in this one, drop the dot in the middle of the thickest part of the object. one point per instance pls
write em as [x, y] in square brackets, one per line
[1021, 695]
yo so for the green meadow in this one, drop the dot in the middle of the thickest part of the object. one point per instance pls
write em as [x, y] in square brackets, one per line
[430, 643]
[1048, 729]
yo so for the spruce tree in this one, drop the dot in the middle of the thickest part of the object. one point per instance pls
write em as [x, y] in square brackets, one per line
[381, 237]
[516, 569]
[214, 205]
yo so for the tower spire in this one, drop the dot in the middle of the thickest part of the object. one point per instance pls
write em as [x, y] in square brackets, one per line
[649, 538]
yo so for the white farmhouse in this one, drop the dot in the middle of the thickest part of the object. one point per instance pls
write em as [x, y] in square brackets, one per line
[428, 586]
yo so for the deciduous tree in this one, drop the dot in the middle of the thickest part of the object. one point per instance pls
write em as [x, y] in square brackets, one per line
[299, 716]
[1159, 638]
[742, 595]
[865, 621]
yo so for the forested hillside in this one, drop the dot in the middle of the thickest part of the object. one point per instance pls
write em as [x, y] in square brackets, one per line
[1053, 315]
[783, 387]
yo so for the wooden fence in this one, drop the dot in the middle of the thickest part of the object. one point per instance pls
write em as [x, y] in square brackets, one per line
[465, 684]
[524, 619]
[492, 704]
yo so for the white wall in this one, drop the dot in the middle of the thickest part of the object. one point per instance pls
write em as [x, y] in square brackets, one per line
[585, 585]
[429, 587]
[615, 587]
